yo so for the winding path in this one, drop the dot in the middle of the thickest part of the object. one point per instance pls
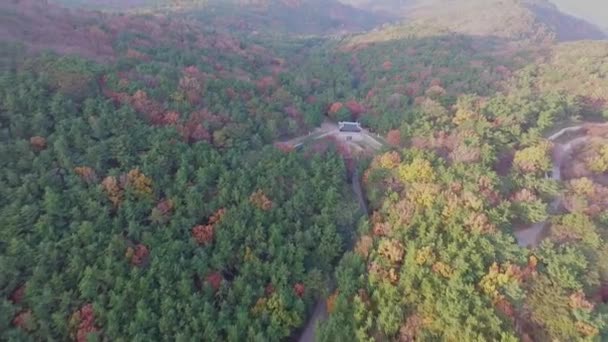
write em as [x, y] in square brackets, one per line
[532, 235]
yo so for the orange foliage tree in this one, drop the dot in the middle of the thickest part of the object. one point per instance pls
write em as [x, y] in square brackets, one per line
[113, 189]
[38, 143]
[335, 107]
[82, 323]
[260, 200]
[86, 173]
[330, 304]
[203, 234]
[139, 182]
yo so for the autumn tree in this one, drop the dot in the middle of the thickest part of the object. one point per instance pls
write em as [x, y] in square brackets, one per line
[534, 159]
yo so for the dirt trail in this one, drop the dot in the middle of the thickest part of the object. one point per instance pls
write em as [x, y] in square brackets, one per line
[318, 316]
[320, 313]
[533, 235]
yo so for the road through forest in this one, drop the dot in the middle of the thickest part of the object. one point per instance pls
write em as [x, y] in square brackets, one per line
[320, 312]
[530, 236]
[533, 235]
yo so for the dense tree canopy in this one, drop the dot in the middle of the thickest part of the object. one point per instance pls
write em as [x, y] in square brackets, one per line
[149, 189]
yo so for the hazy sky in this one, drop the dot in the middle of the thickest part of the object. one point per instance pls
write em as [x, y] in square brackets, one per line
[595, 11]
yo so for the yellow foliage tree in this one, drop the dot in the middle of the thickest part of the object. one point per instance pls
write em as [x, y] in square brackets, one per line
[582, 186]
[599, 162]
[423, 195]
[535, 158]
[419, 170]
[392, 250]
[425, 256]
[389, 160]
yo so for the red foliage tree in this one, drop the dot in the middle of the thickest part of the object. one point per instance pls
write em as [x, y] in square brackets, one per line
[299, 289]
[269, 289]
[231, 93]
[387, 65]
[394, 137]
[171, 118]
[17, 295]
[265, 83]
[284, 147]
[23, 320]
[604, 293]
[293, 112]
[138, 255]
[38, 143]
[194, 130]
[200, 133]
[370, 95]
[83, 323]
[214, 280]
[164, 207]
[506, 308]
[355, 108]
[413, 89]
[153, 111]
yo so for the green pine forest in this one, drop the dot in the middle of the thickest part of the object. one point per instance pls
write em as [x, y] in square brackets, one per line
[149, 192]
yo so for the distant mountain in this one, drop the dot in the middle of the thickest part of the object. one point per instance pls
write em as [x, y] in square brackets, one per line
[566, 27]
[291, 16]
[396, 7]
[106, 4]
[593, 11]
[282, 16]
[535, 20]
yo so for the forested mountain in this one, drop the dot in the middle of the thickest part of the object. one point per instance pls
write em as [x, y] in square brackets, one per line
[270, 16]
[520, 19]
[162, 177]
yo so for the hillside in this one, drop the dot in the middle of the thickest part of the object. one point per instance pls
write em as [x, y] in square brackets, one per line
[578, 68]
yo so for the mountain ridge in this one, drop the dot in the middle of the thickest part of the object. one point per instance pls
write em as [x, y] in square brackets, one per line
[510, 18]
